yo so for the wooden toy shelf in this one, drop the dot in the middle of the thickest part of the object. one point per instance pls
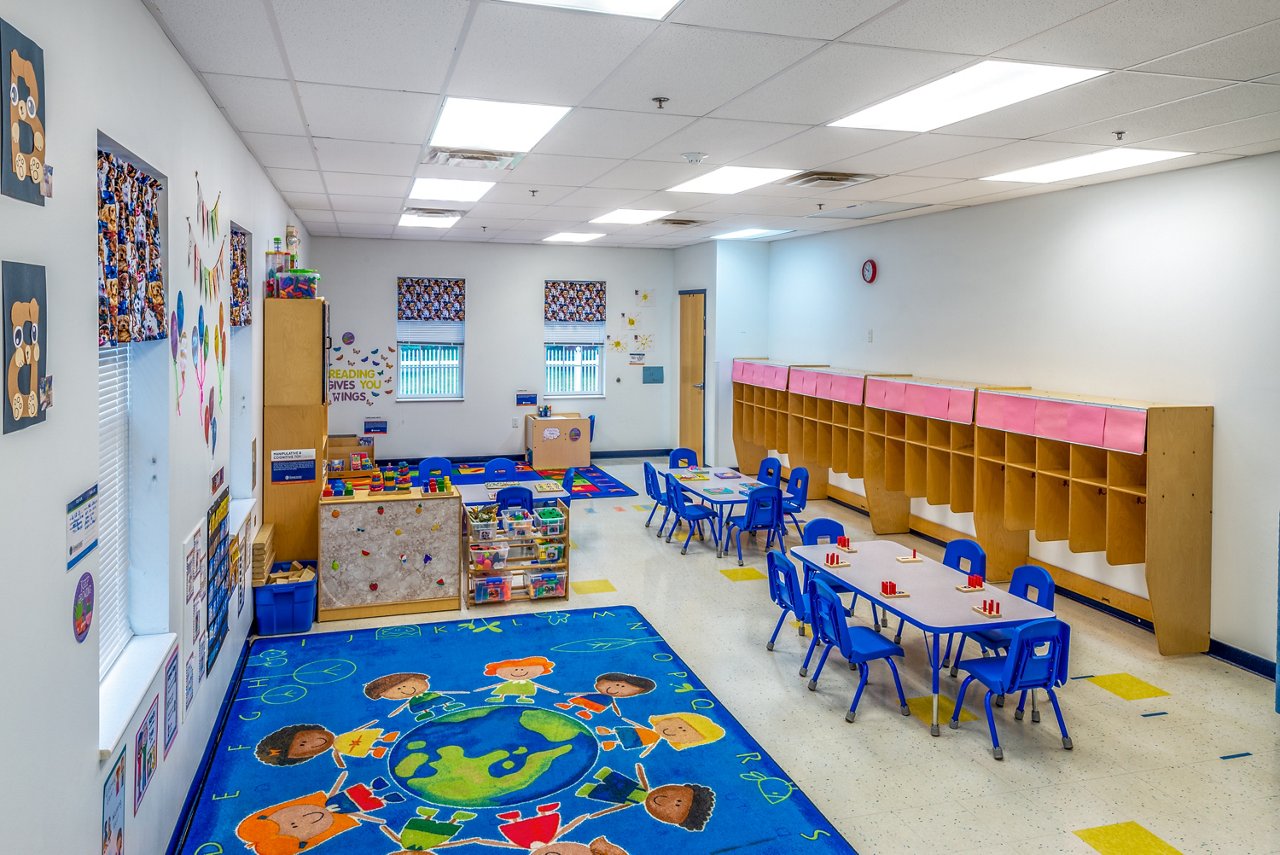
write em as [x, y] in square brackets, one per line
[1020, 461]
[529, 561]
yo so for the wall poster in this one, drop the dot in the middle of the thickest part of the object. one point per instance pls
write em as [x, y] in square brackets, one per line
[219, 578]
[26, 358]
[170, 700]
[146, 753]
[23, 139]
[113, 813]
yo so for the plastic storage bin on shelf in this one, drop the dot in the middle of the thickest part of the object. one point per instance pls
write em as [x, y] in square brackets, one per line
[549, 522]
[494, 589]
[286, 607]
[547, 585]
[489, 557]
[550, 552]
[518, 522]
[298, 284]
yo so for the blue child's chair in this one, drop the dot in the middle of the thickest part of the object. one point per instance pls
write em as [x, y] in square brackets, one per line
[693, 515]
[434, 467]
[1036, 659]
[963, 555]
[797, 496]
[770, 472]
[858, 644]
[682, 458]
[566, 483]
[515, 497]
[1026, 578]
[763, 513]
[591, 424]
[654, 487]
[499, 469]
[785, 591]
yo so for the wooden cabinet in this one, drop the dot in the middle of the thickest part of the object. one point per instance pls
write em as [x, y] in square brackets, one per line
[1130, 480]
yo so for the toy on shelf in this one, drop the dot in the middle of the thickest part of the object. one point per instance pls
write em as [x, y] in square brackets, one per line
[483, 521]
[988, 609]
[550, 552]
[517, 522]
[298, 284]
[549, 521]
[913, 558]
[489, 557]
[974, 583]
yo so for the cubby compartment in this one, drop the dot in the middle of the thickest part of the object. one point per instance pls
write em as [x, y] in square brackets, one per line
[915, 470]
[874, 421]
[1087, 517]
[824, 410]
[895, 456]
[795, 434]
[1019, 497]
[840, 414]
[810, 407]
[990, 444]
[809, 441]
[1020, 450]
[938, 486]
[962, 438]
[1053, 501]
[988, 488]
[1089, 464]
[856, 416]
[1126, 527]
[961, 483]
[895, 424]
[1127, 472]
[840, 448]
[917, 429]
[1053, 457]
[938, 434]
[823, 459]
[857, 466]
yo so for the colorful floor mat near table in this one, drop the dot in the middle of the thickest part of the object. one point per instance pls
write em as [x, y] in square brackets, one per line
[590, 482]
[557, 733]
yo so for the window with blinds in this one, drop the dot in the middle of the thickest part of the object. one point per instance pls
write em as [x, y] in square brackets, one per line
[111, 588]
[574, 356]
[430, 360]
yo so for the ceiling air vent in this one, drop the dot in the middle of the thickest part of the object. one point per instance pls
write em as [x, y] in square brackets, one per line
[472, 158]
[435, 213]
[819, 180]
[676, 221]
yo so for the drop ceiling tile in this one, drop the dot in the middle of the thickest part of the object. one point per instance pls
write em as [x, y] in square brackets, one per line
[373, 204]
[296, 180]
[1265, 147]
[884, 188]
[232, 36]
[354, 218]
[518, 194]
[560, 170]
[698, 69]
[650, 175]
[1024, 190]
[838, 80]
[953, 193]
[1090, 101]
[318, 219]
[993, 161]
[281, 150]
[771, 205]
[482, 210]
[303, 202]
[384, 44]
[1231, 135]
[1232, 103]
[257, 105]
[820, 146]
[723, 140]
[361, 184]
[606, 197]
[494, 225]
[411, 233]
[378, 115]
[324, 231]
[1128, 32]
[548, 56]
[372, 157]
[588, 132]
[814, 19]
[564, 213]
[967, 26]
[914, 153]
[914, 212]
[1152, 168]
[362, 230]
[1242, 56]
[1273, 79]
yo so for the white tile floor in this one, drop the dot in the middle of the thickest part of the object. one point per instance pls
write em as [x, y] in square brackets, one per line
[889, 786]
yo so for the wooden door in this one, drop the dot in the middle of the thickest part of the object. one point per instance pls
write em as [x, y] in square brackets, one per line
[693, 362]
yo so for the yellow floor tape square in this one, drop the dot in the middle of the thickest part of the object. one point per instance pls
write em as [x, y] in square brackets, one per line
[642, 508]
[742, 574]
[593, 586]
[1124, 838]
[922, 708]
[1127, 686]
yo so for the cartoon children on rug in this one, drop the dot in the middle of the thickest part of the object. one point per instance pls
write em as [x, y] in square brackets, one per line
[413, 690]
[518, 676]
[306, 822]
[539, 834]
[608, 688]
[298, 743]
[680, 730]
[686, 805]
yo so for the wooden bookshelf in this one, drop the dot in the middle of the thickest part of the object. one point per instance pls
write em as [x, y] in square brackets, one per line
[1131, 480]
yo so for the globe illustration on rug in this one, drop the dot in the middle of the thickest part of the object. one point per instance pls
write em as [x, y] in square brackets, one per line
[493, 757]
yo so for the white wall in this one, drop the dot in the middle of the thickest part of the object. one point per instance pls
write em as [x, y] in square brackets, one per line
[741, 326]
[1160, 288]
[108, 67]
[504, 346]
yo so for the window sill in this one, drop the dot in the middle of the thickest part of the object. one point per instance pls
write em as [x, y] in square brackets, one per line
[124, 689]
[570, 397]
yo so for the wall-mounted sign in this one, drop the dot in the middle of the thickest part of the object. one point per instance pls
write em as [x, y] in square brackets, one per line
[375, 425]
[289, 465]
[82, 526]
[82, 608]
[526, 399]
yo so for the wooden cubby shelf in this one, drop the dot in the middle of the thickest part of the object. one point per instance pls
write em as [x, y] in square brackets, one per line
[1129, 480]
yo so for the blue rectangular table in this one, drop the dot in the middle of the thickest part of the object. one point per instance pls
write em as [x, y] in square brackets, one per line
[935, 606]
[722, 503]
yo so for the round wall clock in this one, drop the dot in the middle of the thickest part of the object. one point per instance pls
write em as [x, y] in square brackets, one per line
[868, 271]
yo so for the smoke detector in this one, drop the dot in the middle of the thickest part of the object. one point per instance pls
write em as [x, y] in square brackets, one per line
[472, 158]
[820, 180]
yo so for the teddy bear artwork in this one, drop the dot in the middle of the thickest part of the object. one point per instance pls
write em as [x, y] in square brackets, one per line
[26, 324]
[24, 143]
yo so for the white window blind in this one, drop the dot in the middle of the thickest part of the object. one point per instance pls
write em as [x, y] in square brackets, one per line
[111, 590]
[568, 332]
[431, 332]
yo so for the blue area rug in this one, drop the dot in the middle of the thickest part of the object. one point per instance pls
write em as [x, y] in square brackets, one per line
[590, 482]
[557, 733]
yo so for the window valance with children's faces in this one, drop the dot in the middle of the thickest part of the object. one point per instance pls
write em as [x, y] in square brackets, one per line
[425, 299]
[131, 289]
[574, 302]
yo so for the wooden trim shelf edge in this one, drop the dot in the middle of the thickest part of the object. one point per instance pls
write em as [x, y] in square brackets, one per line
[407, 607]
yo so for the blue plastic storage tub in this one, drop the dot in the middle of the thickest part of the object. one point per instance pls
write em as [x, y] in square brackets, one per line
[287, 607]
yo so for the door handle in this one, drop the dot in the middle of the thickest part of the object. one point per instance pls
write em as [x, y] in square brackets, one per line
[699, 385]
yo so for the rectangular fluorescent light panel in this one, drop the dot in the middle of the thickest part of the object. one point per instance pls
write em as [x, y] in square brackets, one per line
[574, 237]
[418, 221]
[978, 89]
[655, 10]
[496, 125]
[631, 216]
[732, 179]
[1108, 160]
[449, 189]
[749, 234]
